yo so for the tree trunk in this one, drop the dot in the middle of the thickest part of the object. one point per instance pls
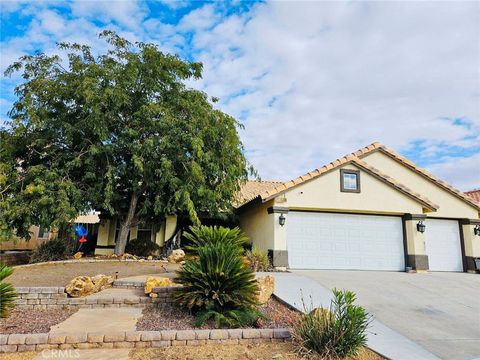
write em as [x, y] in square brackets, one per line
[125, 226]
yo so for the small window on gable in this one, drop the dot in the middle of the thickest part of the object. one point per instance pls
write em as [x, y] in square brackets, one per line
[350, 180]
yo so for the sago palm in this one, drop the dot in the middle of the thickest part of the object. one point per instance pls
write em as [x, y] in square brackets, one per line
[212, 235]
[7, 292]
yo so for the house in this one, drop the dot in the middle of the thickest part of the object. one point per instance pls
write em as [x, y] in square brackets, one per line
[370, 210]
[474, 194]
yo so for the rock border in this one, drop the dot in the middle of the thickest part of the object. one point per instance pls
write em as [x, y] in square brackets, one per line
[138, 339]
[69, 261]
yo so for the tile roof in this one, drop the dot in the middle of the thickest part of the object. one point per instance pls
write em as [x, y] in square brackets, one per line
[474, 194]
[401, 159]
[251, 188]
[278, 188]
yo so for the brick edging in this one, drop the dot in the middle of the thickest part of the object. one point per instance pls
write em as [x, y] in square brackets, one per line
[138, 339]
[91, 261]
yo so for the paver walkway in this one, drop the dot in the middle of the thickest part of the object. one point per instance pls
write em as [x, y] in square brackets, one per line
[305, 294]
[99, 320]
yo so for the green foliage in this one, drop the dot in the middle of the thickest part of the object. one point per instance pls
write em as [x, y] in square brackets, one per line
[7, 292]
[258, 259]
[242, 317]
[162, 148]
[337, 332]
[217, 280]
[200, 236]
[143, 248]
[52, 250]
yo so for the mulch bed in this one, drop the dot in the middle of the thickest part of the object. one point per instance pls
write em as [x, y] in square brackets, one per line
[172, 317]
[33, 321]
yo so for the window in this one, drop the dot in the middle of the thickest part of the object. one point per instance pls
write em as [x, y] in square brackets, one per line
[350, 181]
[43, 233]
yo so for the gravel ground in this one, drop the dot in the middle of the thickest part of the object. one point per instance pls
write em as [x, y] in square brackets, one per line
[33, 321]
[262, 351]
[60, 274]
[174, 317]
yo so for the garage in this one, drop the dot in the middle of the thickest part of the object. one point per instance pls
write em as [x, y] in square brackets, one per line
[344, 241]
[443, 246]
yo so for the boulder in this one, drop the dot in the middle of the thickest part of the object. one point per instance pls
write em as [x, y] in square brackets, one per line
[101, 282]
[78, 255]
[80, 286]
[266, 286]
[153, 282]
[176, 256]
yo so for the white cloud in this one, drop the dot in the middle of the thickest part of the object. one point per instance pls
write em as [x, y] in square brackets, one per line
[318, 80]
[464, 173]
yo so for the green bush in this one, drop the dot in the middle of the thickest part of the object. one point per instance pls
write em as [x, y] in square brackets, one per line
[216, 283]
[212, 235]
[51, 250]
[7, 292]
[143, 248]
[257, 259]
[337, 332]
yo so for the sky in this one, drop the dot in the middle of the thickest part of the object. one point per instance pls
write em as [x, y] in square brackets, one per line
[311, 81]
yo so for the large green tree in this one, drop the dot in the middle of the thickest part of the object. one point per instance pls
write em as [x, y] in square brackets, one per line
[118, 132]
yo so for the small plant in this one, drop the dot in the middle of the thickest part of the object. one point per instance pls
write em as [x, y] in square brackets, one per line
[337, 332]
[235, 318]
[143, 248]
[258, 259]
[7, 292]
[51, 250]
[212, 235]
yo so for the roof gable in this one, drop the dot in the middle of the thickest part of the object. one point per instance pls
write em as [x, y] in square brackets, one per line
[363, 152]
[279, 188]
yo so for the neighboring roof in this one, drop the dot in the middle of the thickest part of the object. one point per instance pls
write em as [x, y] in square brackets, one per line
[250, 189]
[87, 219]
[474, 194]
[376, 146]
[271, 192]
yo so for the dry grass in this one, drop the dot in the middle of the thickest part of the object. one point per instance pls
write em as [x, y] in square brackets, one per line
[286, 350]
[60, 274]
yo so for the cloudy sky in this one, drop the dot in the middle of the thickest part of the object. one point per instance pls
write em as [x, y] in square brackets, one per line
[311, 81]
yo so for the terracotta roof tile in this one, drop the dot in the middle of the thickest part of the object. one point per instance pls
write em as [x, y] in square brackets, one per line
[250, 190]
[474, 194]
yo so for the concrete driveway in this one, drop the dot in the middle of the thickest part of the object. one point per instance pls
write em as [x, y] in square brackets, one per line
[440, 311]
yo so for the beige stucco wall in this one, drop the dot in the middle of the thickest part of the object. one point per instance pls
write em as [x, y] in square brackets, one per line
[258, 225]
[166, 230]
[415, 239]
[323, 193]
[471, 241]
[449, 205]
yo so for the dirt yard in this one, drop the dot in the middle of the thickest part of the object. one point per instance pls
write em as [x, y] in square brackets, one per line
[263, 351]
[60, 274]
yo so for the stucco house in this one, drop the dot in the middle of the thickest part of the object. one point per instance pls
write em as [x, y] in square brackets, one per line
[370, 210]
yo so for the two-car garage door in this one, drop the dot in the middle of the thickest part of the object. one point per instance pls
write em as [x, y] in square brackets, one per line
[345, 241]
[366, 242]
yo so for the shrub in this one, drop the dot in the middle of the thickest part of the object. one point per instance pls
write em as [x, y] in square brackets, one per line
[51, 250]
[337, 332]
[216, 283]
[7, 292]
[212, 235]
[143, 248]
[258, 259]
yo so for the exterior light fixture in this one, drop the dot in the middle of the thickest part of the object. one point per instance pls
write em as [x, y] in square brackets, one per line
[281, 219]
[476, 230]
[421, 227]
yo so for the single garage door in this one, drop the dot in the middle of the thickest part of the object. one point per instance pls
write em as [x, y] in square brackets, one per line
[442, 245]
[344, 241]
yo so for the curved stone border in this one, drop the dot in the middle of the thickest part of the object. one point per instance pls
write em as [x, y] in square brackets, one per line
[138, 339]
[70, 261]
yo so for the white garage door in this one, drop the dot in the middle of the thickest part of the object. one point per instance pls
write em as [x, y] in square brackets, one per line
[344, 241]
[442, 244]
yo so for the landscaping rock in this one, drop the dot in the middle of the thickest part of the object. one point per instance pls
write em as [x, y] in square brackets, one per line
[101, 282]
[153, 282]
[80, 286]
[266, 287]
[176, 256]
